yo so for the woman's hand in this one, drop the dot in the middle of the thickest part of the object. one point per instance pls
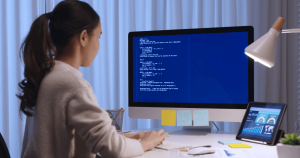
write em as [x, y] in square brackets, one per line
[141, 134]
[152, 139]
[137, 136]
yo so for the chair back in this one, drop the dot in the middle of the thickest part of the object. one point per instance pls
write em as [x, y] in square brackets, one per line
[3, 148]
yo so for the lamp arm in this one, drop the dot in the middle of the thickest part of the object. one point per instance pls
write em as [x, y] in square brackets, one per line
[278, 25]
[291, 30]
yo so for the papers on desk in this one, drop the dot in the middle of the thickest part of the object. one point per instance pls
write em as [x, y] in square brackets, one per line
[168, 145]
[238, 152]
[177, 153]
[220, 152]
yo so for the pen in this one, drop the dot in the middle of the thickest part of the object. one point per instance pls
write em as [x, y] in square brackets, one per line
[117, 116]
[110, 114]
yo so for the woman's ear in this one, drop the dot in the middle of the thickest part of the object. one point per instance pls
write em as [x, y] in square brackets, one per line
[83, 38]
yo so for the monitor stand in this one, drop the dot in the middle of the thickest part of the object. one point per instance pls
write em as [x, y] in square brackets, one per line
[194, 130]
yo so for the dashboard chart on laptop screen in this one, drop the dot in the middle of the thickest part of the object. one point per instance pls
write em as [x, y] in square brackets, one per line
[193, 68]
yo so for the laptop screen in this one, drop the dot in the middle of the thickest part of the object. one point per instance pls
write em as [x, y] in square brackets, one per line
[262, 121]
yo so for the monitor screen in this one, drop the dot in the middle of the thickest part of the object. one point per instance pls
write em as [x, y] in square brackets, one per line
[191, 69]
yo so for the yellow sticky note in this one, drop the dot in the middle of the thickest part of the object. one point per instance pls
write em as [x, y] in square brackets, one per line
[239, 146]
[168, 117]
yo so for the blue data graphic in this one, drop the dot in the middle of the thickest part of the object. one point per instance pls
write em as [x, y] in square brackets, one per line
[261, 121]
[261, 118]
[191, 68]
[253, 129]
[272, 119]
[229, 154]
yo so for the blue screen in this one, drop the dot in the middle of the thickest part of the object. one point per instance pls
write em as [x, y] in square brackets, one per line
[191, 68]
[261, 122]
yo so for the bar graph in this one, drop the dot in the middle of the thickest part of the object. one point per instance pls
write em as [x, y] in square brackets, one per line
[257, 129]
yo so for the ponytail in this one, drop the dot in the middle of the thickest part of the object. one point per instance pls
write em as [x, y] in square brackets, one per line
[37, 53]
[67, 19]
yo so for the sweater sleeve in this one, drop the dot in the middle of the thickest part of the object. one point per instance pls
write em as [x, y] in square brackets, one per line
[93, 125]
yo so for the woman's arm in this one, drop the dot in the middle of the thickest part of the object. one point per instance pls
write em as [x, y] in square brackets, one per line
[150, 139]
[93, 125]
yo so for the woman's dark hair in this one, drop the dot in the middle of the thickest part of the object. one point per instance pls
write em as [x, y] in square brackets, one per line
[39, 47]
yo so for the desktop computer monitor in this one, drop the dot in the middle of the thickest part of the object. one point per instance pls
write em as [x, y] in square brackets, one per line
[191, 69]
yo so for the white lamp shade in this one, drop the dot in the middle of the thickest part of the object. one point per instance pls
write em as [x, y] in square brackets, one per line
[263, 49]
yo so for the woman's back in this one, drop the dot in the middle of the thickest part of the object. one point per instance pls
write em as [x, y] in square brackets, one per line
[67, 111]
[51, 136]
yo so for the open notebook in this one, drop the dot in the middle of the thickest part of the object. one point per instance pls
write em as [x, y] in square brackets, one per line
[167, 145]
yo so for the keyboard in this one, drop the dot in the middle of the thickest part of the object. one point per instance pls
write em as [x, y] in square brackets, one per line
[167, 145]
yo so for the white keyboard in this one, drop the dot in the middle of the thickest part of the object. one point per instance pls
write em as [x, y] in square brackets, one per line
[167, 145]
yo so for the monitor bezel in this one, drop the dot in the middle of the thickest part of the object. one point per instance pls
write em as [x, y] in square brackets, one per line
[248, 29]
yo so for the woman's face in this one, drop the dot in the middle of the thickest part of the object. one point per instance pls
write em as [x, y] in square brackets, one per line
[92, 47]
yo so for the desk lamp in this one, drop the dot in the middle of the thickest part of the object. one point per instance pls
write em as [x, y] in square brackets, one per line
[263, 49]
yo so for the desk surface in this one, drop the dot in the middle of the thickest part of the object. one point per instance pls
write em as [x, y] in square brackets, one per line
[258, 150]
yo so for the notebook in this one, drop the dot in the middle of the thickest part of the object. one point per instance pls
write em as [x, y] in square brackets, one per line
[167, 145]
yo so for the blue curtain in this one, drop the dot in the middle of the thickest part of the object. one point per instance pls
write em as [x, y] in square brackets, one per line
[16, 17]
[108, 74]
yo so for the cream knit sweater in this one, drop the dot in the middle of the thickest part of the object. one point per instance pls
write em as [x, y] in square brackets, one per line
[68, 121]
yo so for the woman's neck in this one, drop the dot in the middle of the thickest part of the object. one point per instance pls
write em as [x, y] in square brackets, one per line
[71, 57]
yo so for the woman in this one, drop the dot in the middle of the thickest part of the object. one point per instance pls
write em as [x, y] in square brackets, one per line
[64, 119]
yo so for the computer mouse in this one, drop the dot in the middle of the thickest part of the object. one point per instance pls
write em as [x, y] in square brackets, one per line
[201, 151]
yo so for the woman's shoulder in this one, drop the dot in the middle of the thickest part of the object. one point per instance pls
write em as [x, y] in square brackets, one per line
[63, 80]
